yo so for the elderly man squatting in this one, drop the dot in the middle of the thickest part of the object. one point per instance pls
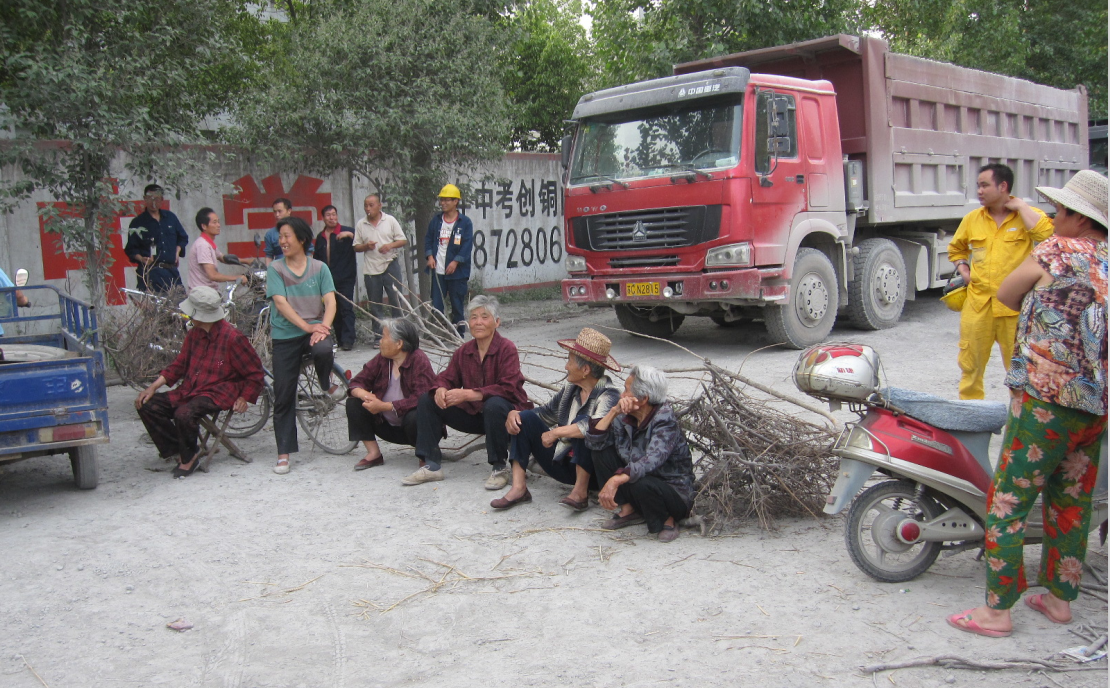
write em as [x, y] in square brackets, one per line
[383, 396]
[641, 458]
[481, 385]
[553, 433]
[218, 369]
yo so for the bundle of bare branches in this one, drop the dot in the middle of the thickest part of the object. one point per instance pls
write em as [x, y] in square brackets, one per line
[144, 336]
[755, 460]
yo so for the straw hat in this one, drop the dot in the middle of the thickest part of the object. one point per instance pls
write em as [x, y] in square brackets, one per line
[1085, 193]
[592, 346]
[203, 305]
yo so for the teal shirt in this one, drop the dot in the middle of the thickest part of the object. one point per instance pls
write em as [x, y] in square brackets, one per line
[305, 293]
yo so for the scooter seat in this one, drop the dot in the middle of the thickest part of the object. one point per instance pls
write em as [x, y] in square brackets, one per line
[970, 415]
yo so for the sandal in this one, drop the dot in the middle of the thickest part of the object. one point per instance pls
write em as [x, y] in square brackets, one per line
[1036, 602]
[668, 534]
[970, 626]
[179, 472]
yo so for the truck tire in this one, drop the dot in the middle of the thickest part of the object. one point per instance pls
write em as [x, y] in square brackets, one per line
[86, 470]
[638, 320]
[809, 315]
[877, 292]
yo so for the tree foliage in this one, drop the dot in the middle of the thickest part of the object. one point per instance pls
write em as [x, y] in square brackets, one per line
[101, 77]
[1058, 44]
[547, 67]
[637, 39]
[403, 93]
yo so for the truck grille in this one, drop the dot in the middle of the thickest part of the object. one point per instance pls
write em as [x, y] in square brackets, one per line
[642, 230]
[648, 262]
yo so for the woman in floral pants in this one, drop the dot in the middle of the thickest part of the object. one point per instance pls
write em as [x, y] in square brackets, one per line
[1057, 418]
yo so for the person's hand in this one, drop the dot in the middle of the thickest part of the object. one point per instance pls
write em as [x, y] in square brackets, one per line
[345, 235]
[628, 404]
[441, 398]
[377, 405]
[512, 422]
[246, 282]
[432, 262]
[319, 333]
[1015, 204]
[451, 267]
[608, 494]
[144, 396]
[454, 397]
[549, 439]
[385, 248]
[240, 405]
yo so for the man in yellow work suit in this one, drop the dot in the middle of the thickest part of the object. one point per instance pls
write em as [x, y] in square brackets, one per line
[988, 245]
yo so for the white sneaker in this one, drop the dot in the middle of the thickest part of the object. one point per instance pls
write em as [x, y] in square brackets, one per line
[422, 475]
[281, 468]
[498, 479]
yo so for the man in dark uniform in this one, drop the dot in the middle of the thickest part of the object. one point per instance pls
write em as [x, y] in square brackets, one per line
[155, 244]
[334, 247]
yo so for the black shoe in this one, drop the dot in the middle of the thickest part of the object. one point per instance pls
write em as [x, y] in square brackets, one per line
[346, 347]
[179, 472]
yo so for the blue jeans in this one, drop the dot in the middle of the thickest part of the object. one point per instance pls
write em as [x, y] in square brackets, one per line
[456, 292]
[527, 443]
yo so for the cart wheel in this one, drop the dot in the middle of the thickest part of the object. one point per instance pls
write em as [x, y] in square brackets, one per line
[86, 470]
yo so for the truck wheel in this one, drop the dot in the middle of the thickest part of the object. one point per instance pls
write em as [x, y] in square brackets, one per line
[870, 532]
[877, 291]
[638, 320]
[86, 471]
[809, 315]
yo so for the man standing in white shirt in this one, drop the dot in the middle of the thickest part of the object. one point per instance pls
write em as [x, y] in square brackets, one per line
[377, 238]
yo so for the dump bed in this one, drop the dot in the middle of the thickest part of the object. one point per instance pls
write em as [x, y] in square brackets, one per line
[924, 128]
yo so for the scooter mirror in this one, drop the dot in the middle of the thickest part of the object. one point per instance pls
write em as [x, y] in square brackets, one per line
[21, 277]
[257, 240]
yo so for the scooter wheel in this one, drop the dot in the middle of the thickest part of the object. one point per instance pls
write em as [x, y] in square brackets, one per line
[871, 537]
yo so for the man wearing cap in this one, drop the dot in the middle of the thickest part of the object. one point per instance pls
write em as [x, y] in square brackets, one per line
[989, 243]
[156, 243]
[447, 248]
[218, 370]
[553, 433]
[1057, 412]
[335, 247]
[378, 236]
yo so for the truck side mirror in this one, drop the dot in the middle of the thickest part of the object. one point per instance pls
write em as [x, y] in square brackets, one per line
[21, 277]
[565, 149]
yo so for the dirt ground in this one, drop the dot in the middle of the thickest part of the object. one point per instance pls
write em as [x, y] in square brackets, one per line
[327, 577]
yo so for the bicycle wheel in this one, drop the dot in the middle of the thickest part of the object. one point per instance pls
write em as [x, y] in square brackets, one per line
[324, 416]
[246, 424]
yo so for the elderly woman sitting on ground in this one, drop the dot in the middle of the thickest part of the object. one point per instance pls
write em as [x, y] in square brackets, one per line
[641, 458]
[383, 396]
[553, 433]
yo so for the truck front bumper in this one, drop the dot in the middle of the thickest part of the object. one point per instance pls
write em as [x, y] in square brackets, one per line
[743, 287]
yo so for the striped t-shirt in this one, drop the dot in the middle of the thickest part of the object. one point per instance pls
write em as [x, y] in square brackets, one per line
[305, 293]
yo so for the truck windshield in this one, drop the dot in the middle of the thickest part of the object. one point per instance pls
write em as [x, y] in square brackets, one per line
[694, 138]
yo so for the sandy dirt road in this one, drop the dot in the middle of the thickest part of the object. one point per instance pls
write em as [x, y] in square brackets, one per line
[330, 578]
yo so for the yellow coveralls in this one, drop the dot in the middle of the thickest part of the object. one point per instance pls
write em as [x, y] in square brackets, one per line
[993, 251]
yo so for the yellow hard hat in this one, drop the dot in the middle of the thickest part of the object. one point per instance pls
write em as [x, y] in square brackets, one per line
[450, 191]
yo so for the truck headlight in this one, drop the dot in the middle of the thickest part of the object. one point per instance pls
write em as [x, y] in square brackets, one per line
[576, 264]
[733, 254]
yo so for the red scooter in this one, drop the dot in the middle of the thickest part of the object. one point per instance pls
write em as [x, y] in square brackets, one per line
[930, 456]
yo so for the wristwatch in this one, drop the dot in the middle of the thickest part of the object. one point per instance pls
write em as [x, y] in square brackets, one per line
[962, 262]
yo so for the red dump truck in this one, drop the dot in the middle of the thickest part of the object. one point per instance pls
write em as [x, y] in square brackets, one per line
[795, 184]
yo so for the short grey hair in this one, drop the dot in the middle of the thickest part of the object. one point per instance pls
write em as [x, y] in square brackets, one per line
[597, 371]
[648, 382]
[490, 303]
[404, 331]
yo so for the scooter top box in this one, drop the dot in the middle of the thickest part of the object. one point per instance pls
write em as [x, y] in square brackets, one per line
[848, 372]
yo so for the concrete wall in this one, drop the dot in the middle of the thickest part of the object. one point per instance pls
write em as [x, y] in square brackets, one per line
[518, 220]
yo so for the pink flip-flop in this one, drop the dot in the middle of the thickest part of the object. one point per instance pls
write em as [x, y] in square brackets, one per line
[1036, 602]
[969, 625]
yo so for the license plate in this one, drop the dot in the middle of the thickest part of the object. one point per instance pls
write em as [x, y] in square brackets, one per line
[641, 289]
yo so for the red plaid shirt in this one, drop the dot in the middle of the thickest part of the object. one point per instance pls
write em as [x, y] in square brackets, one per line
[219, 364]
[498, 375]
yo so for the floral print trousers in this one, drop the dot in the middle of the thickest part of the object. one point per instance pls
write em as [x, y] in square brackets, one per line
[1046, 448]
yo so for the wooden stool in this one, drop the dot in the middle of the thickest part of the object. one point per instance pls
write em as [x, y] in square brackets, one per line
[215, 430]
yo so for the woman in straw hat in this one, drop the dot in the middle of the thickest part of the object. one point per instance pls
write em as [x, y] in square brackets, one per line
[1054, 434]
[552, 433]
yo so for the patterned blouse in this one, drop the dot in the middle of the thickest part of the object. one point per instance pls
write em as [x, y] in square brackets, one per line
[1060, 354]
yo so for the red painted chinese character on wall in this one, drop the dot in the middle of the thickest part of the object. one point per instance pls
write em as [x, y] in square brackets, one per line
[253, 206]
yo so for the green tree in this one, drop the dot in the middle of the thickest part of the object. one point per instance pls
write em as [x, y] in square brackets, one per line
[82, 81]
[642, 40]
[1058, 44]
[547, 67]
[404, 93]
